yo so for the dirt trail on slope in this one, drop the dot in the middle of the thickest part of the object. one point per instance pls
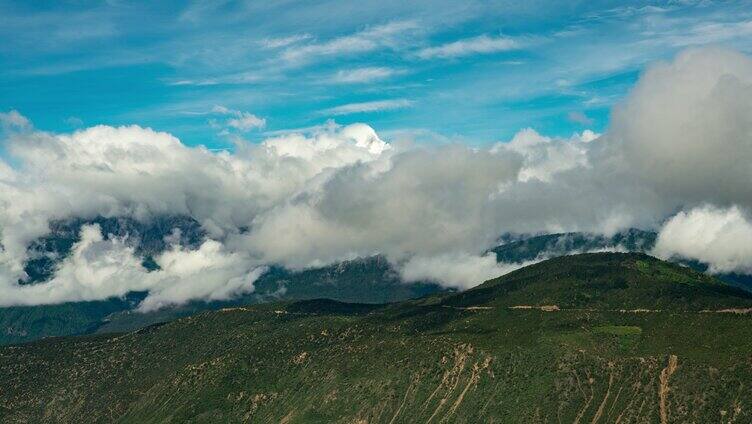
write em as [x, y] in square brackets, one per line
[414, 383]
[556, 308]
[544, 308]
[589, 398]
[478, 367]
[738, 311]
[469, 308]
[451, 377]
[602, 406]
[664, 388]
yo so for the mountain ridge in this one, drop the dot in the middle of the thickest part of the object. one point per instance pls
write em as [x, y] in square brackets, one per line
[370, 280]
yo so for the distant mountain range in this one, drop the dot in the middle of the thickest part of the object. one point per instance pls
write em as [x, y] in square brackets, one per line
[366, 280]
[591, 338]
[147, 237]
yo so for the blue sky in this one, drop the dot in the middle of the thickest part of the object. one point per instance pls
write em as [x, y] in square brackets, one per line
[473, 72]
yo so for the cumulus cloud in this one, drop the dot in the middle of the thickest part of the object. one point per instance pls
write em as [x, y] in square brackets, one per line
[14, 120]
[239, 120]
[545, 157]
[719, 237]
[421, 200]
[137, 172]
[685, 128]
[680, 141]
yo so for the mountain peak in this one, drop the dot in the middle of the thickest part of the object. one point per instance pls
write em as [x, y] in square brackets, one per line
[607, 281]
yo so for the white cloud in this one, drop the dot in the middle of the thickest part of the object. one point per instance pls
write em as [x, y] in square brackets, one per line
[482, 44]
[685, 128]
[246, 121]
[208, 273]
[14, 120]
[579, 118]
[138, 172]
[587, 136]
[457, 270]
[275, 43]
[363, 75]
[545, 157]
[99, 268]
[96, 269]
[702, 33]
[382, 36]
[421, 200]
[239, 120]
[364, 107]
[74, 121]
[719, 237]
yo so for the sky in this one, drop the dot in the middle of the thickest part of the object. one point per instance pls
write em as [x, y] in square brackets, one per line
[476, 72]
[301, 135]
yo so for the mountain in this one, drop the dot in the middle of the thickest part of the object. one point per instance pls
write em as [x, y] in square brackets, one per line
[366, 280]
[604, 337]
[518, 249]
[148, 237]
[370, 280]
[524, 248]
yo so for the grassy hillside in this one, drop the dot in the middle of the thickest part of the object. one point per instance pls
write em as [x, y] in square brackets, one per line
[585, 339]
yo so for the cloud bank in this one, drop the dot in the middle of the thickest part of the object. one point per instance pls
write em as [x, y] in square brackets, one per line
[99, 269]
[676, 157]
[461, 271]
[718, 237]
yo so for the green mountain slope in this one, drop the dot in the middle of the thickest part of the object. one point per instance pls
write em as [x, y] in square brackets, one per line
[586, 338]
